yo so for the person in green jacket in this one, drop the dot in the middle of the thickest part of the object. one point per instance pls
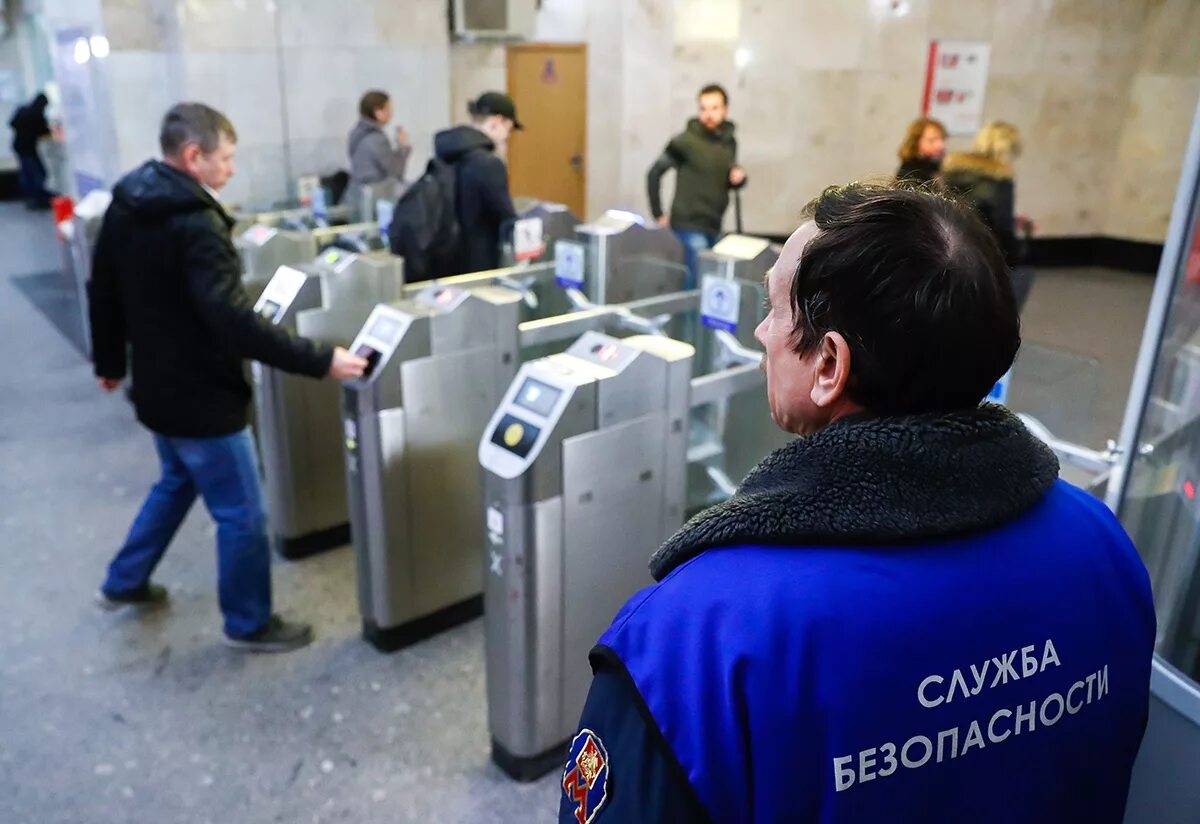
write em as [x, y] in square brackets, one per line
[704, 156]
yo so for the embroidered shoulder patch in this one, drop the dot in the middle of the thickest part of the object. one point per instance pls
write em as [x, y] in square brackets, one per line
[585, 778]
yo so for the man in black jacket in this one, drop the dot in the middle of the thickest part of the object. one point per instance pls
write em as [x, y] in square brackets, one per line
[482, 199]
[166, 282]
[29, 127]
[704, 156]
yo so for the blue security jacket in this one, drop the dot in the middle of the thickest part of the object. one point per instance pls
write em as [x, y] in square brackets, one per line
[894, 620]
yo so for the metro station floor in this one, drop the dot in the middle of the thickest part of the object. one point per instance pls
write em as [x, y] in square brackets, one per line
[115, 718]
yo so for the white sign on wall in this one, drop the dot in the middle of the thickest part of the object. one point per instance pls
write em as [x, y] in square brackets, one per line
[956, 82]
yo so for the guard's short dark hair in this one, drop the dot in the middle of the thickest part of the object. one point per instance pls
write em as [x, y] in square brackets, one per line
[919, 289]
[195, 123]
[371, 102]
[715, 88]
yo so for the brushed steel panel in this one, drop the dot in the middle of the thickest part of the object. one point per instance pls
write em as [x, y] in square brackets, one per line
[612, 505]
[448, 401]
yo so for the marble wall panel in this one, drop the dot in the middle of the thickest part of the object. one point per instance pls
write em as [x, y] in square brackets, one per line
[886, 102]
[413, 22]
[896, 36]
[244, 85]
[563, 21]
[707, 20]
[1018, 37]
[1169, 43]
[320, 99]
[320, 24]
[963, 19]
[138, 25]
[220, 25]
[141, 96]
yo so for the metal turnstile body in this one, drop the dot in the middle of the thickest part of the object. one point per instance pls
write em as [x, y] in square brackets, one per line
[264, 249]
[624, 259]
[80, 247]
[558, 223]
[738, 257]
[579, 436]
[298, 418]
[440, 363]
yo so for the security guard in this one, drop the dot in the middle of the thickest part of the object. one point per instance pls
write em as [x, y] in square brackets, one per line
[903, 615]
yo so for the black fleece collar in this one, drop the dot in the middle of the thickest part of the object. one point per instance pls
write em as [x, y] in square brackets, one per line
[878, 480]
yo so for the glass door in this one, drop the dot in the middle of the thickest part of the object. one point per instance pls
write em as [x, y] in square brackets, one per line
[1154, 490]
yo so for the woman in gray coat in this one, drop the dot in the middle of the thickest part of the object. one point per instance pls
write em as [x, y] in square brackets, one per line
[372, 158]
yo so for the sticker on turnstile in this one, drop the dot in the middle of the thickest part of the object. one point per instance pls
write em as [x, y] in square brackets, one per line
[350, 429]
[281, 290]
[384, 209]
[999, 393]
[258, 235]
[528, 240]
[568, 264]
[320, 209]
[720, 300]
[495, 521]
[443, 298]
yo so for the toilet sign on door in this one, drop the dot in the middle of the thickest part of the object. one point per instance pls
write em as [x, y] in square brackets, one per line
[719, 303]
[527, 239]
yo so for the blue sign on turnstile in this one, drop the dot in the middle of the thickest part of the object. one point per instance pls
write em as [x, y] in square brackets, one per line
[568, 264]
[720, 300]
[384, 210]
[320, 208]
[999, 393]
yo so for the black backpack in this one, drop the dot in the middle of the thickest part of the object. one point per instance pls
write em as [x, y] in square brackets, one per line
[424, 228]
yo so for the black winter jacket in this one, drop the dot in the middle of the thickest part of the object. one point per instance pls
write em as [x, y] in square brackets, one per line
[166, 279]
[988, 186]
[29, 126]
[919, 170]
[702, 160]
[482, 199]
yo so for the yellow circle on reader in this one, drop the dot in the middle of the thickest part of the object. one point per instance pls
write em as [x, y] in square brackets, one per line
[514, 434]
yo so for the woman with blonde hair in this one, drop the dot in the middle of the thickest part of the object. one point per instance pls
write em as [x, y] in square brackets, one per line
[984, 177]
[922, 150]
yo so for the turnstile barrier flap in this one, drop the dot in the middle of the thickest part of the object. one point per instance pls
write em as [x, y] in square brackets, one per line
[282, 293]
[741, 247]
[462, 319]
[359, 277]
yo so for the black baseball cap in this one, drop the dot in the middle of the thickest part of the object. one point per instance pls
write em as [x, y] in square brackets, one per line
[495, 103]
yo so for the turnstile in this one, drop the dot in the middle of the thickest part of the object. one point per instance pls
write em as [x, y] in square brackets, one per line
[438, 364]
[265, 248]
[738, 256]
[586, 466]
[555, 222]
[298, 419]
[79, 247]
[618, 258]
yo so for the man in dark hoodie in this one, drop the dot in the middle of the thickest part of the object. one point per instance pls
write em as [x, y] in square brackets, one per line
[29, 126]
[482, 199]
[166, 282]
[704, 157]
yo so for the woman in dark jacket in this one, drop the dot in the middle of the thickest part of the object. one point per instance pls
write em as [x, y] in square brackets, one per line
[984, 177]
[922, 150]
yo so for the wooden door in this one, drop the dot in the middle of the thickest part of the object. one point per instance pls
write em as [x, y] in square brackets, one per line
[548, 160]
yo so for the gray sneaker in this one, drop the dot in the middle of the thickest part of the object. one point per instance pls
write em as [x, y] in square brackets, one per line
[277, 636]
[149, 596]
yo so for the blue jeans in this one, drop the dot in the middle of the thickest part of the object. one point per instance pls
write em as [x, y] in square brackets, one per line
[224, 472]
[32, 177]
[693, 244]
